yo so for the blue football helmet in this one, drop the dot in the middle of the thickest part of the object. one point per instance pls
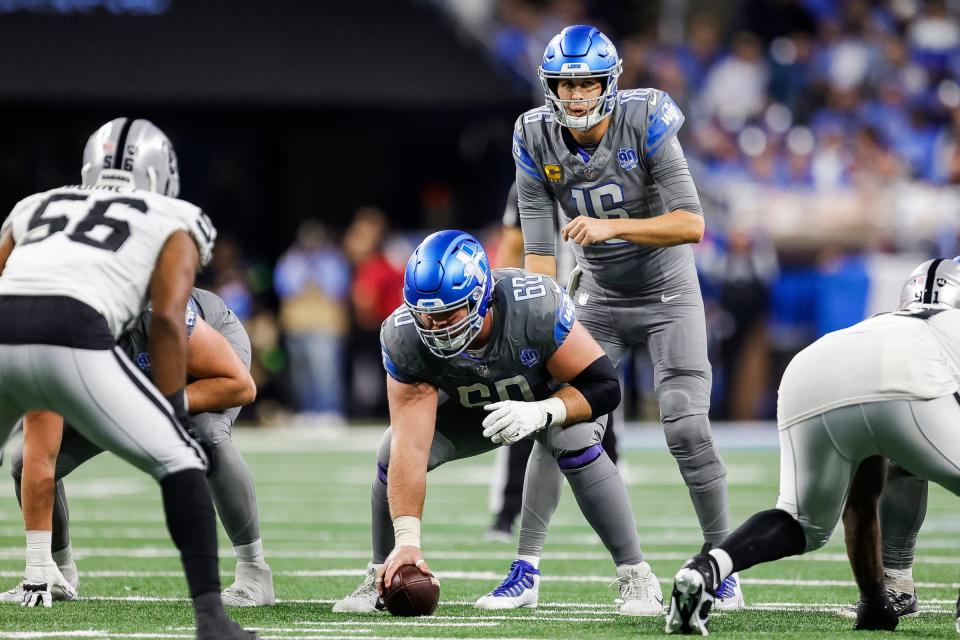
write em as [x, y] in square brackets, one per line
[580, 51]
[448, 271]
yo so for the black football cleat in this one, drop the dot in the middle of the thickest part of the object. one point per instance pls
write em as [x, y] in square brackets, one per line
[694, 591]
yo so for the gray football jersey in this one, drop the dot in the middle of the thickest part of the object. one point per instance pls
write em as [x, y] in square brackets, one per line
[637, 171]
[203, 303]
[532, 317]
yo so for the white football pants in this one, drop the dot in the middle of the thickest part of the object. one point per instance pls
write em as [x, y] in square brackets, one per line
[104, 396]
[820, 455]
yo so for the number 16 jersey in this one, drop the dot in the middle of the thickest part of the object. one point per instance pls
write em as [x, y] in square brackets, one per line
[637, 171]
[532, 317]
[96, 244]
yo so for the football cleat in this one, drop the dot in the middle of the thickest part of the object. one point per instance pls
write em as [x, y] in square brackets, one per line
[364, 598]
[640, 593]
[904, 604]
[42, 584]
[692, 597]
[252, 586]
[521, 588]
[729, 595]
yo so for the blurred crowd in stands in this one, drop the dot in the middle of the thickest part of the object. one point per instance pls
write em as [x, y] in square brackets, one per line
[824, 138]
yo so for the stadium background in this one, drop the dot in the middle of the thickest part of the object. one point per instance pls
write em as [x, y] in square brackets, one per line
[325, 141]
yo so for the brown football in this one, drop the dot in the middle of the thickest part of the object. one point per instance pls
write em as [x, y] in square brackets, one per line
[412, 593]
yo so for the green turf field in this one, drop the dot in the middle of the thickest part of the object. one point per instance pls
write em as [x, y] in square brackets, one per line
[314, 501]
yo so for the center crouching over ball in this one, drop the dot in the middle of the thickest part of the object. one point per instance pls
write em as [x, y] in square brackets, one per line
[412, 593]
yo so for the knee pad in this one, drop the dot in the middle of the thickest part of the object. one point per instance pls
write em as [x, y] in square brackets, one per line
[681, 394]
[691, 443]
[579, 459]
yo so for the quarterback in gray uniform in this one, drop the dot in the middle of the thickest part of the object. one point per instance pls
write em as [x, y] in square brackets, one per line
[611, 162]
[478, 359]
[887, 387]
[218, 363]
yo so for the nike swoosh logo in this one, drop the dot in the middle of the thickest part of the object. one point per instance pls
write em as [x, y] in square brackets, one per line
[666, 298]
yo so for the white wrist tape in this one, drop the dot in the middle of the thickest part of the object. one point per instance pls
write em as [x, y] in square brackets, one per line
[556, 408]
[406, 532]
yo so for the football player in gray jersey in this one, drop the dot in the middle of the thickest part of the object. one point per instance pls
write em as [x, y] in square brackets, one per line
[218, 363]
[478, 359]
[611, 162]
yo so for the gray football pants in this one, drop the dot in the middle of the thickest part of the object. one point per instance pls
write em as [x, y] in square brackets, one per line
[820, 455]
[231, 484]
[106, 398]
[576, 449]
[672, 326]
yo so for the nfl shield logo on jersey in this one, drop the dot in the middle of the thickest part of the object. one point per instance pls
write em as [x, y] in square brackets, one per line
[591, 173]
[628, 159]
[529, 357]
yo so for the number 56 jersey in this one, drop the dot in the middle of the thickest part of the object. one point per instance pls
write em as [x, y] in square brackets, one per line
[96, 244]
[532, 317]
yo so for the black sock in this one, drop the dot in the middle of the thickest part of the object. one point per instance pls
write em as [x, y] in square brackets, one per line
[193, 527]
[765, 537]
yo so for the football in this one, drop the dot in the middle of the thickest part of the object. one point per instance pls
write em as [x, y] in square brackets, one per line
[412, 593]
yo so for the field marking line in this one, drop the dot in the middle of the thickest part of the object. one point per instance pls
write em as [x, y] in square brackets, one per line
[479, 576]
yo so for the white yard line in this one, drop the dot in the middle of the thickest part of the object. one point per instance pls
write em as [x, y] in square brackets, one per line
[16, 553]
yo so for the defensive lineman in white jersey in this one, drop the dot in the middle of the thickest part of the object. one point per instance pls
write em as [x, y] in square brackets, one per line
[884, 388]
[77, 264]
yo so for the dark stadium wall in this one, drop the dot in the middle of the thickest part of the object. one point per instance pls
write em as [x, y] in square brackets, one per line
[279, 111]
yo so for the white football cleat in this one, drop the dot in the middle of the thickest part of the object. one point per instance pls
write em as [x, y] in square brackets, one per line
[42, 584]
[729, 595]
[364, 598]
[521, 588]
[252, 586]
[640, 593]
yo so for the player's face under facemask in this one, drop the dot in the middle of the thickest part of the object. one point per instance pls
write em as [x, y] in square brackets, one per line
[448, 331]
[579, 96]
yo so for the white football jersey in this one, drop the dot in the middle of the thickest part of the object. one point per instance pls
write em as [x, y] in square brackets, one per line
[893, 356]
[97, 244]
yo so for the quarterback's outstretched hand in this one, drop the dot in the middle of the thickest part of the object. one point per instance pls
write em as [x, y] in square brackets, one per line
[586, 231]
[511, 420]
[397, 558]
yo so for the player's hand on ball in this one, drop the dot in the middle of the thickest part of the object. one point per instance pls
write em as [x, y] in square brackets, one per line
[512, 420]
[586, 231]
[397, 558]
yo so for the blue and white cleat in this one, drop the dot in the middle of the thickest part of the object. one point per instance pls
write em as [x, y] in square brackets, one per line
[692, 597]
[521, 588]
[729, 595]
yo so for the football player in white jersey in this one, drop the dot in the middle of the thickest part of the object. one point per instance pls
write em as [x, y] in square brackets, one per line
[887, 387]
[77, 265]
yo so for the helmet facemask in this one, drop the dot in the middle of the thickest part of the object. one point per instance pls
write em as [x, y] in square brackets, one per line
[606, 101]
[451, 340]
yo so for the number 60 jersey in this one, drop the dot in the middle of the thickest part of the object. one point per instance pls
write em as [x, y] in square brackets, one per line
[97, 244]
[532, 317]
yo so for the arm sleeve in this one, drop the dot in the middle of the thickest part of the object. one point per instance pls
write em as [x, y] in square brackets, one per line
[533, 200]
[670, 171]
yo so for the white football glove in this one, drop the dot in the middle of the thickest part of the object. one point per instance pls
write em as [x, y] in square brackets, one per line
[512, 420]
[39, 580]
